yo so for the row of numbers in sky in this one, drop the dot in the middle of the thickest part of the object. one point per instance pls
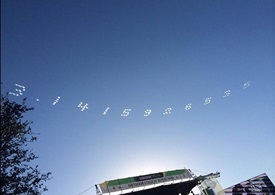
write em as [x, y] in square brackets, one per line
[20, 89]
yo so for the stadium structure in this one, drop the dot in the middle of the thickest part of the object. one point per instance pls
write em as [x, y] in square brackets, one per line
[259, 185]
[183, 182]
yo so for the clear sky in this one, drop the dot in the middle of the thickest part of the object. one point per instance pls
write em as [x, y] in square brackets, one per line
[141, 55]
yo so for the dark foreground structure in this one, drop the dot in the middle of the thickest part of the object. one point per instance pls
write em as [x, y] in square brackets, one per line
[173, 189]
[184, 182]
[164, 183]
[259, 185]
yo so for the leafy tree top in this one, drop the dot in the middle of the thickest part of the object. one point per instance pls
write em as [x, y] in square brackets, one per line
[18, 175]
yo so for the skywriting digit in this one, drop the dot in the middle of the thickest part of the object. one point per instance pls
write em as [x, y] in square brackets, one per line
[147, 112]
[207, 101]
[188, 106]
[167, 111]
[56, 100]
[20, 91]
[226, 93]
[106, 110]
[83, 107]
[126, 112]
[246, 85]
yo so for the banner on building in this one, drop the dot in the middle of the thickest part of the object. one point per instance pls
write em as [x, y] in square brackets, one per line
[144, 180]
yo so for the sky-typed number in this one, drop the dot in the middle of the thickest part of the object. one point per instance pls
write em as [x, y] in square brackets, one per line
[126, 112]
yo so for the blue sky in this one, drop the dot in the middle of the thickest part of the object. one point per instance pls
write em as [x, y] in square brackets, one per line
[143, 55]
